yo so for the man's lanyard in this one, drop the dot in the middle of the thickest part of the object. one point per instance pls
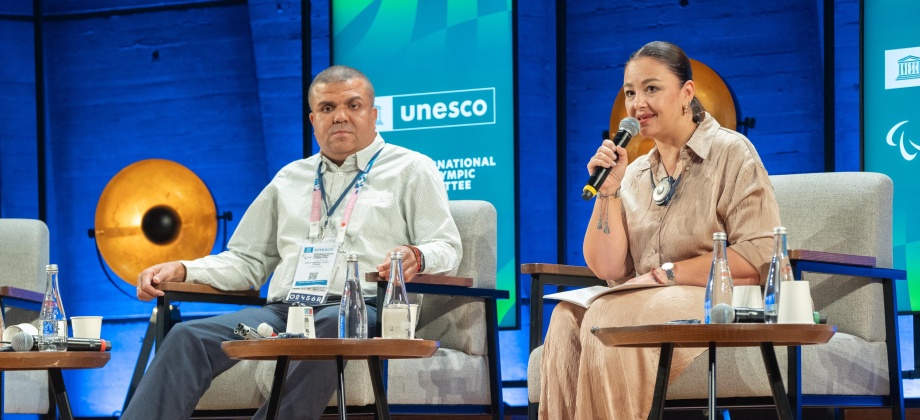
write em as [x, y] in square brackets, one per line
[319, 196]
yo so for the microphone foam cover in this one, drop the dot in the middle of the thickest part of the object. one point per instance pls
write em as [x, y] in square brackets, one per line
[630, 124]
[22, 341]
[722, 313]
[265, 330]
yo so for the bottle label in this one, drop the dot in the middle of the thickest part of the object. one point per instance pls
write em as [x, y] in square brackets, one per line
[315, 266]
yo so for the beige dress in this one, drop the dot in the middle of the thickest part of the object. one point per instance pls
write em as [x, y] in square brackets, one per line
[724, 187]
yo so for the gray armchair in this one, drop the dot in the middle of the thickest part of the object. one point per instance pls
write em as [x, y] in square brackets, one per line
[844, 213]
[463, 375]
[23, 256]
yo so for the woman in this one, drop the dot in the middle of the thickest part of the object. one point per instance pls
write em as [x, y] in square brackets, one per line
[700, 178]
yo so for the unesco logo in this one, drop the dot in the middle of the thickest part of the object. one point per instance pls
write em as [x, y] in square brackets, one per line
[902, 141]
[420, 111]
[902, 68]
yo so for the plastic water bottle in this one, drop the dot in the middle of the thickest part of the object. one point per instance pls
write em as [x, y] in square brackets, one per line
[396, 314]
[719, 286]
[53, 335]
[780, 271]
[352, 312]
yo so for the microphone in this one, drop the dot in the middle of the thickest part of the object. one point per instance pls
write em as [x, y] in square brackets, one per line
[629, 126]
[23, 341]
[722, 313]
[749, 315]
[265, 330]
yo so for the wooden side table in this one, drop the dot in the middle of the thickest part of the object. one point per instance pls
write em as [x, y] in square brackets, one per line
[373, 350]
[53, 362]
[766, 336]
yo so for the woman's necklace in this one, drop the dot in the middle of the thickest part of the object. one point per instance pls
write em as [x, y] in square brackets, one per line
[663, 191]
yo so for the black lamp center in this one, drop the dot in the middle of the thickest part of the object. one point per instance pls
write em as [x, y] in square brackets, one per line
[161, 225]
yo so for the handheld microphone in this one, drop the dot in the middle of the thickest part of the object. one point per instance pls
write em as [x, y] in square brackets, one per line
[265, 330]
[722, 313]
[629, 126]
[749, 315]
[23, 341]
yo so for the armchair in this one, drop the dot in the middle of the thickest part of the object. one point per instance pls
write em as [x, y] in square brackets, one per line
[842, 213]
[23, 256]
[463, 376]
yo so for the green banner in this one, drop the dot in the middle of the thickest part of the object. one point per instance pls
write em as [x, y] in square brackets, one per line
[443, 73]
[891, 131]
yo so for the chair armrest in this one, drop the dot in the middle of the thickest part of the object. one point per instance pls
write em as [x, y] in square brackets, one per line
[555, 274]
[439, 285]
[831, 257]
[191, 292]
[20, 298]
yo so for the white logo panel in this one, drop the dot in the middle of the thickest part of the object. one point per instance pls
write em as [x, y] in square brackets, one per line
[902, 68]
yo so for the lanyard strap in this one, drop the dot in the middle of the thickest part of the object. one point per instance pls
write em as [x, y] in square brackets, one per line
[319, 196]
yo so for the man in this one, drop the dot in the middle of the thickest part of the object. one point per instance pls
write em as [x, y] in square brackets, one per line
[358, 195]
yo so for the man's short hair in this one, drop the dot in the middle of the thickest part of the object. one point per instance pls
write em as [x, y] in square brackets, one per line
[339, 74]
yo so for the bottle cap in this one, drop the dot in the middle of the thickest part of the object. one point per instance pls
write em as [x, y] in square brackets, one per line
[396, 254]
[351, 258]
[779, 230]
[719, 236]
[51, 267]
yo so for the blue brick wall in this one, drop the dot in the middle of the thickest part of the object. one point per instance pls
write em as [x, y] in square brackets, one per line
[223, 97]
[18, 162]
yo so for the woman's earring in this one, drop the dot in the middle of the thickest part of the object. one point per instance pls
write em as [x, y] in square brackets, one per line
[684, 109]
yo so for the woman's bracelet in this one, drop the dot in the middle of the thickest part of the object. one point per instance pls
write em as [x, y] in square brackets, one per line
[616, 194]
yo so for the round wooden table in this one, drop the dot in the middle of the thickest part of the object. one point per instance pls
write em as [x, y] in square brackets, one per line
[373, 350]
[53, 362]
[766, 336]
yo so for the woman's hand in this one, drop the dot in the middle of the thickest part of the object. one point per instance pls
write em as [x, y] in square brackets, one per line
[605, 158]
[647, 278]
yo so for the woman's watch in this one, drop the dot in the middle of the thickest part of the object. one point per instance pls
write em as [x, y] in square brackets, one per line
[668, 268]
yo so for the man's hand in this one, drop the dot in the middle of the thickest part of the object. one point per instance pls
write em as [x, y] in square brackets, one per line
[409, 264]
[148, 279]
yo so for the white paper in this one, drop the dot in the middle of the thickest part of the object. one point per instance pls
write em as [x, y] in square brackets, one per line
[584, 297]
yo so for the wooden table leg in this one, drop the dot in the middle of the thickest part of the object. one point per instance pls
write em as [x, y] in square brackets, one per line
[776, 381]
[340, 365]
[661, 381]
[380, 391]
[60, 393]
[274, 402]
[712, 380]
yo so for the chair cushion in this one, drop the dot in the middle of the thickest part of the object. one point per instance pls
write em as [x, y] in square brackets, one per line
[235, 389]
[846, 365]
[25, 392]
[448, 377]
[458, 323]
[533, 375]
[848, 213]
[24, 251]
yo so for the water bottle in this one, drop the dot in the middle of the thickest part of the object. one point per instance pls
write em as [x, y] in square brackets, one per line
[396, 314]
[780, 271]
[53, 335]
[352, 312]
[719, 286]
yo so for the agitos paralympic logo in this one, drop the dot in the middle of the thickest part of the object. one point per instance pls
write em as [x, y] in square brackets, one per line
[902, 141]
[420, 111]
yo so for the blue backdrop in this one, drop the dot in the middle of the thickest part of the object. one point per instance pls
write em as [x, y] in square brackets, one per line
[216, 86]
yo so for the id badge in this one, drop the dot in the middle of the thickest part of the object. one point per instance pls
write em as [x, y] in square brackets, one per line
[314, 273]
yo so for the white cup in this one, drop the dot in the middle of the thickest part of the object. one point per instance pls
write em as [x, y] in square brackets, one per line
[795, 305]
[747, 297]
[300, 321]
[12, 330]
[86, 326]
[413, 319]
[295, 324]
